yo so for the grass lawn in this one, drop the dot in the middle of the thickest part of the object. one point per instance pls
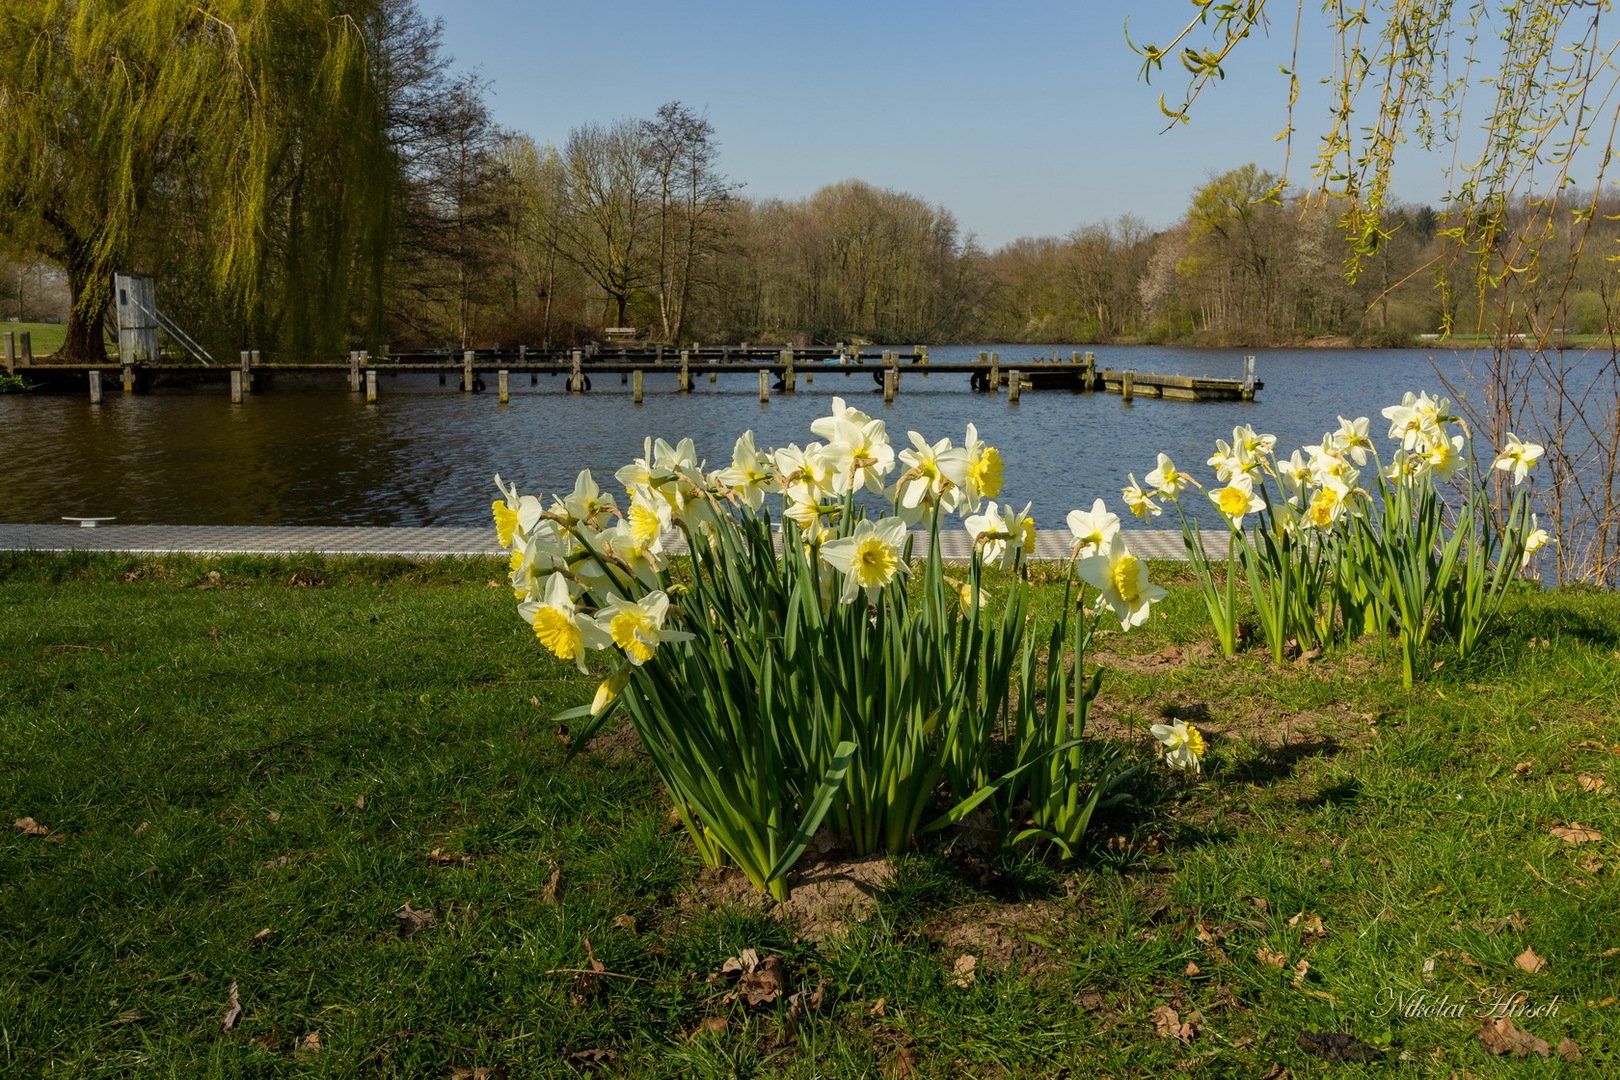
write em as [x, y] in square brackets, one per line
[309, 817]
[45, 338]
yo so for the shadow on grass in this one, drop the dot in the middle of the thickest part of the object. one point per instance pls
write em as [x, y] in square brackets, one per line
[1278, 763]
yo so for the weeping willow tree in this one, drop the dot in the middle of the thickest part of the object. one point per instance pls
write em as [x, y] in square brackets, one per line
[249, 132]
[1525, 94]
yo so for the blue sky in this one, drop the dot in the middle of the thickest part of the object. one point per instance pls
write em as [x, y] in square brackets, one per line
[1022, 118]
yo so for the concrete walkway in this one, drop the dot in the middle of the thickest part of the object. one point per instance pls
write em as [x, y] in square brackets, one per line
[434, 542]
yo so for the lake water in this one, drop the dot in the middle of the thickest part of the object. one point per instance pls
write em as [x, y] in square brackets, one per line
[308, 452]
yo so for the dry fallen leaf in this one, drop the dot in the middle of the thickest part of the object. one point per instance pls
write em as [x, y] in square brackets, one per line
[441, 857]
[1528, 961]
[1515, 922]
[273, 816]
[142, 828]
[962, 972]
[30, 827]
[481, 1072]
[1576, 833]
[1522, 768]
[359, 802]
[1167, 1022]
[411, 920]
[1310, 925]
[309, 1044]
[549, 894]
[260, 938]
[1271, 956]
[625, 922]
[1568, 1050]
[233, 1011]
[713, 1025]
[1192, 969]
[1260, 903]
[1593, 784]
[1501, 1037]
[903, 1064]
[880, 1007]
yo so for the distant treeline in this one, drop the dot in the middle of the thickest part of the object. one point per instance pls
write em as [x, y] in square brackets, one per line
[352, 191]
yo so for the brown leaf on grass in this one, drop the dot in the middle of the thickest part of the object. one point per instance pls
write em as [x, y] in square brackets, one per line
[1568, 1050]
[712, 1025]
[269, 1040]
[273, 816]
[880, 1007]
[553, 887]
[962, 972]
[1261, 904]
[233, 1010]
[411, 921]
[30, 827]
[143, 828]
[1523, 768]
[904, 1064]
[260, 938]
[800, 1003]
[1192, 970]
[1276, 1072]
[1271, 957]
[1337, 1046]
[1591, 784]
[1528, 961]
[589, 1059]
[1501, 1037]
[308, 1045]
[462, 1072]
[625, 922]
[765, 985]
[276, 863]
[565, 737]
[1310, 925]
[1576, 833]
[1167, 1023]
[359, 802]
[441, 857]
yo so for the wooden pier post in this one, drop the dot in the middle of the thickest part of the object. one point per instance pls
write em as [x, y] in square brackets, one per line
[660, 357]
[714, 376]
[371, 386]
[1088, 373]
[576, 374]
[1247, 393]
[10, 337]
[686, 372]
[523, 355]
[129, 379]
[25, 346]
[1127, 383]
[635, 385]
[95, 387]
[890, 379]
[467, 372]
[995, 372]
[764, 386]
[809, 377]
[354, 372]
[236, 385]
[1015, 385]
[788, 377]
[501, 382]
[253, 362]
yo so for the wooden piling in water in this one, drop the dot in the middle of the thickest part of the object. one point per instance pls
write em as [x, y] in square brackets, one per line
[129, 379]
[354, 372]
[890, 378]
[236, 385]
[995, 372]
[1015, 385]
[1088, 373]
[635, 386]
[764, 386]
[371, 386]
[95, 387]
[25, 345]
[788, 375]
[467, 371]
[686, 372]
[501, 384]
[1127, 384]
[1247, 393]
[576, 376]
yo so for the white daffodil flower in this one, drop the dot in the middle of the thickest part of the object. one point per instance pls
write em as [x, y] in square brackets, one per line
[1002, 532]
[1183, 745]
[637, 626]
[983, 476]
[515, 515]
[1139, 502]
[1352, 439]
[1093, 529]
[750, 475]
[649, 517]
[1237, 499]
[560, 625]
[1518, 457]
[587, 502]
[1169, 481]
[927, 481]
[869, 558]
[1122, 579]
[1534, 541]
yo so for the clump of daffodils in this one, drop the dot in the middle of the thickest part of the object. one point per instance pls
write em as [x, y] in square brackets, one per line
[805, 662]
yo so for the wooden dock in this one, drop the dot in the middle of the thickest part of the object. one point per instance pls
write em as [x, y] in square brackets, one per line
[777, 369]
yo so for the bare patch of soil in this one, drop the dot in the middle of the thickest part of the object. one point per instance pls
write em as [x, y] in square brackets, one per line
[824, 899]
[1002, 936]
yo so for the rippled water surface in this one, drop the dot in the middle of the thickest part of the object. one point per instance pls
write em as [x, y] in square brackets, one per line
[307, 452]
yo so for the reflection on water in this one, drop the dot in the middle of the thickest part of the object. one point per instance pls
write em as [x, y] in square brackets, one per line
[307, 452]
